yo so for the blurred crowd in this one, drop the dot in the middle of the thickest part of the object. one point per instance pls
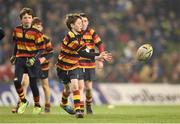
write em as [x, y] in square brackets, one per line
[123, 25]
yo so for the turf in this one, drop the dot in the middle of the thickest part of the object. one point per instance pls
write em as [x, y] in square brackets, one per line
[102, 114]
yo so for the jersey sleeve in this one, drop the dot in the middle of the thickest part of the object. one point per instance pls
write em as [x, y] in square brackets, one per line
[39, 40]
[97, 40]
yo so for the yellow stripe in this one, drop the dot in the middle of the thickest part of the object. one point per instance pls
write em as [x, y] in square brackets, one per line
[87, 66]
[64, 97]
[97, 40]
[22, 47]
[75, 97]
[69, 51]
[91, 31]
[71, 34]
[69, 61]
[89, 37]
[40, 39]
[31, 48]
[45, 36]
[31, 37]
[45, 68]
[82, 42]
[73, 43]
[21, 95]
[77, 108]
[90, 47]
[67, 69]
[81, 58]
[46, 62]
[19, 35]
[48, 44]
[65, 41]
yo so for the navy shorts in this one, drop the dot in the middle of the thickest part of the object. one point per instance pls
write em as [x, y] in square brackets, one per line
[66, 76]
[87, 74]
[44, 74]
[21, 68]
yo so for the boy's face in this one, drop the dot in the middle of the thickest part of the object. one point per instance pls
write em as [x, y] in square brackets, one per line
[39, 27]
[77, 26]
[26, 20]
[85, 23]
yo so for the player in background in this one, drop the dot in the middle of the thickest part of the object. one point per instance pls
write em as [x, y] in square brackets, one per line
[37, 23]
[87, 77]
[29, 46]
[72, 47]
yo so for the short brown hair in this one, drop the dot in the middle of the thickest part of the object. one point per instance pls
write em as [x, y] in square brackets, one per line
[29, 11]
[71, 19]
[36, 20]
[83, 15]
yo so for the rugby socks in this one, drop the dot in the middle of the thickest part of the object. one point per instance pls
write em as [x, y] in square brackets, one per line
[76, 98]
[47, 105]
[36, 101]
[88, 97]
[82, 106]
[64, 98]
[21, 94]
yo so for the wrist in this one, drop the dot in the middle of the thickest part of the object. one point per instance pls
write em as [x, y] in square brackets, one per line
[42, 59]
[97, 57]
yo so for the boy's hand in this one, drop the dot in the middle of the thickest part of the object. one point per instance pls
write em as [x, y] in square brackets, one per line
[30, 62]
[13, 60]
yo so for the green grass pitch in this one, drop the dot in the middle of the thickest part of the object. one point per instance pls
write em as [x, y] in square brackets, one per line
[102, 114]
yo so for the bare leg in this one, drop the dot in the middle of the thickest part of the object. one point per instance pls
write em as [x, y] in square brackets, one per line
[47, 93]
[89, 96]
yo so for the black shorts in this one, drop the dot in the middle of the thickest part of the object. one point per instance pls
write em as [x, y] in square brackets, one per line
[44, 74]
[88, 74]
[66, 76]
[21, 68]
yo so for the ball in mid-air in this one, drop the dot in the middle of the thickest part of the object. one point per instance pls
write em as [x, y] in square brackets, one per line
[144, 52]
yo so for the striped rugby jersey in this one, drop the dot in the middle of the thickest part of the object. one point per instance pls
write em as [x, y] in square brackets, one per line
[48, 50]
[91, 40]
[28, 41]
[69, 58]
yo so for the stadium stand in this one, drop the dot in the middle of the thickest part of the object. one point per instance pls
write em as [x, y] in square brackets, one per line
[123, 25]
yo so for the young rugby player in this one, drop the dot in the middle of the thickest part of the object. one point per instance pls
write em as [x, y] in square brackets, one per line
[29, 46]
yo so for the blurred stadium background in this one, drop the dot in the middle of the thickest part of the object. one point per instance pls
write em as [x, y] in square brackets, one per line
[123, 25]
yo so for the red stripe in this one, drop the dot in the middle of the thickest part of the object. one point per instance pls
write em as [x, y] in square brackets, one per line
[45, 65]
[76, 105]
[66, 38]
[71, 58]
[38, 35]
[31, 32]
[18, 30]
[41, 47]
[101, 48]
[96, 37]
[76, 92]
[75, 46]
[65, 67]
[87, 64]
[65, 47]
[26, 44]
[91, 44]
[24, 55]
[47, 52]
